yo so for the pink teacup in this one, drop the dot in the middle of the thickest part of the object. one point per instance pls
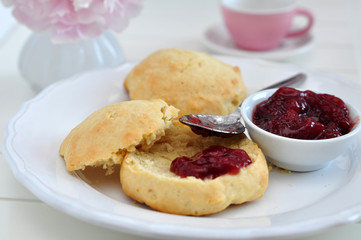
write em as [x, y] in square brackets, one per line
[260, 25]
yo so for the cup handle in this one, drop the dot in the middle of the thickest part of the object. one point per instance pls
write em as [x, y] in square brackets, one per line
[302, 31]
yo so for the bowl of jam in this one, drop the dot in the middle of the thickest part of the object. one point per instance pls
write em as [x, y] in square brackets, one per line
[300, 130]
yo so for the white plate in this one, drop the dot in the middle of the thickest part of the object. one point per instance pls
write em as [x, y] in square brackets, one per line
[217, 38]
[295, 204]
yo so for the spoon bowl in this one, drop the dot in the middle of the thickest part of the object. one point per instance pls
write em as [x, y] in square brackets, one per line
[213, 125]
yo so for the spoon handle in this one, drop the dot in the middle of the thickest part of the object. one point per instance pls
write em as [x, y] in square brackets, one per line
[289, 81]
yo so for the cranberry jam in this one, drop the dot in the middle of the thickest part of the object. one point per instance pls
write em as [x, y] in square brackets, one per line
[211, 163]
[303, 115]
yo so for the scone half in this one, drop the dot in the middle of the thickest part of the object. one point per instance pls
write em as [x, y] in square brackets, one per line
[146, 177]
[104, 137]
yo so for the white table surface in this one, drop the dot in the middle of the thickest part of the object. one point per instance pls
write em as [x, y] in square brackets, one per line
[161, 24]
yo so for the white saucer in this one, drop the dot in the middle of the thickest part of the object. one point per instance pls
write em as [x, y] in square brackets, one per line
[217, 38]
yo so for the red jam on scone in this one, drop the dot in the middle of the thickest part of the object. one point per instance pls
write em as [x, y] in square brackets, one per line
[211, 163]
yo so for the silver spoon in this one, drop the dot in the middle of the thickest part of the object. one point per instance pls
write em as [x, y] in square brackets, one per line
[225, 126]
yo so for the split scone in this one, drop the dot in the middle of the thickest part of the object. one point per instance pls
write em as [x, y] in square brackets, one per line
[104, 137]
[143, 137]
[193, 82]
[146, 176]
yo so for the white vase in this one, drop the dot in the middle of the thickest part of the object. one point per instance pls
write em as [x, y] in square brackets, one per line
[41, 62]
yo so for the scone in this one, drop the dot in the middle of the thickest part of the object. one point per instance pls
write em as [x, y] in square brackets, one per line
[146, 176]
[108, 134]
[193, 82]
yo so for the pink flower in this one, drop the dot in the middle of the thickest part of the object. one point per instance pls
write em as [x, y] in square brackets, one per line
[72, 20]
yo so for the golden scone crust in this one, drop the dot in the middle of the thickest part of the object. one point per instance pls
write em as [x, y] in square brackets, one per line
[191, 81]
[146, 177]
[105, 136]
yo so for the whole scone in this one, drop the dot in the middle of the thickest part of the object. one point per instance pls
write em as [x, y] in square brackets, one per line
[191, 81]
[146, 177]
[104, 137]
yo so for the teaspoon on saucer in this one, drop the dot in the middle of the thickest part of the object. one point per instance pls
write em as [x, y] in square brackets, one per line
[225, 126]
